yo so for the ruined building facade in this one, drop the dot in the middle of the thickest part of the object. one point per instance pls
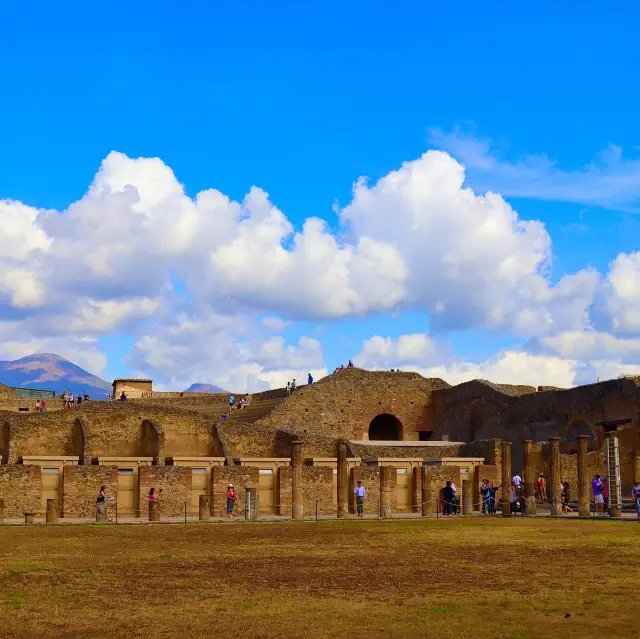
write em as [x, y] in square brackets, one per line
[189, 445]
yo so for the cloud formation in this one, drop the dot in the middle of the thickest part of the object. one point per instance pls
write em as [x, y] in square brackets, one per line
[185, 277]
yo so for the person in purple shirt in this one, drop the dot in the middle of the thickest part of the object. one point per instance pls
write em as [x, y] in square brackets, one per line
[598, 498]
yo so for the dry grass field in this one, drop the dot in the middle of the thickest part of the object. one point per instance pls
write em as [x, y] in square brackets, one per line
[406, 578]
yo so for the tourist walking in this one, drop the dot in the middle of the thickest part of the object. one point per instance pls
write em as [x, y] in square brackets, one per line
[232, 497]
[38, 406]
[484, 493]
[43, 406]
[360, 493]
[101, 502]
[598, 497]
[231, 400]
[448, 496]
[541, 488]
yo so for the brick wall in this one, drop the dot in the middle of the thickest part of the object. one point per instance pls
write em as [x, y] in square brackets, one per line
[239, 476]
[284, 491]
[20, 489]
[370, 477]
[437, 479]
[175, 483]
[317, 485]
[81, 485]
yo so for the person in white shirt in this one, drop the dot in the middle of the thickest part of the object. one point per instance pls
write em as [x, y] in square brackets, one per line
[359, 492]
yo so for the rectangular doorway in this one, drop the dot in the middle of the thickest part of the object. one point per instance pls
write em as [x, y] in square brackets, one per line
[403, 489]
[266, 491]
[198, 487]
[50, 487]
[126, 492]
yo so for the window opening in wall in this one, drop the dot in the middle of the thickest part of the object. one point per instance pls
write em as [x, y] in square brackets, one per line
[464, 470]
[199, 471]
[402, 471]
[50, 471]
[335, 471]
[424, 435]
[265, 471]
[125, 471]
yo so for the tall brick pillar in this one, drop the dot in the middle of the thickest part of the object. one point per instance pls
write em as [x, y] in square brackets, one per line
[467, 497]
[416, 489]
[427, 497]
[385, 491]
[342, 480]
[529, 477]
[555, 494]
[506, 476]
[297, 507]
[52, 511]
[584, 497]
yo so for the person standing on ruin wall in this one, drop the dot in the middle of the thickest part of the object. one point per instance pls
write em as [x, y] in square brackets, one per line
[309, 379]
[231, 400]
[232, 497]
[360, 493]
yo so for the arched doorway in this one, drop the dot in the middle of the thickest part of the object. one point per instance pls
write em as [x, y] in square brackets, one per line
[385, 427]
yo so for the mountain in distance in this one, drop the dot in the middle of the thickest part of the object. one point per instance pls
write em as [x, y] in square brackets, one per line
[47, 371]
[204, 388]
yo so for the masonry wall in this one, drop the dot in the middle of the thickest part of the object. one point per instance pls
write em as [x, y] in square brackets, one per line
[20, 489]
[284, 491]
[370, 477]
[481, 410]
[317, 484]
[175, 483]
[81, 485]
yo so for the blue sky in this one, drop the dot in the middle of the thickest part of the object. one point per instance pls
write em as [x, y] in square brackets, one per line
[301, 101]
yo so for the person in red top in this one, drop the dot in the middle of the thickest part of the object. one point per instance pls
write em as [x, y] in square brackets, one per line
[231, 500]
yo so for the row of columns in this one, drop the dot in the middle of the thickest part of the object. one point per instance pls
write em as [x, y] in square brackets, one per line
[529, 479]
[553, 483]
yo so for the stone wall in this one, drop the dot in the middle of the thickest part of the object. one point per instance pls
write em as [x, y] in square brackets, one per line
[365, 451]
[20, 489]
[479, 410]
[284, 491]
[81, 485]
[175, 484]
[317, 484]
[437, 478]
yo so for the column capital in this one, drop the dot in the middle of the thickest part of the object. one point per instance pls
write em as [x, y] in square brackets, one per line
[527, 441]
[582, 437]
[552, 439]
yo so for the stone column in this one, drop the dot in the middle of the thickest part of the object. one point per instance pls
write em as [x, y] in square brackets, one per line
[385, 492]
[154, 510]
[342, 480]
[255, 498]
[467, 497]
[553, 486]
[506, 476]
[427, 498]
[297, 507]
[204, 508]
[1, 511]
[52, 511]
[529, 477]
[416, 489]
[584, 496]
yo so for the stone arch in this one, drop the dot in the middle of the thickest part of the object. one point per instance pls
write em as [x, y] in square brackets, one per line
[7, 454]
[152, 437]
[385, 427]
[81, 442]
[578, 425]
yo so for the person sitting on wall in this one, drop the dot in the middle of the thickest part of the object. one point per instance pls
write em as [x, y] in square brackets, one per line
[350, 364]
